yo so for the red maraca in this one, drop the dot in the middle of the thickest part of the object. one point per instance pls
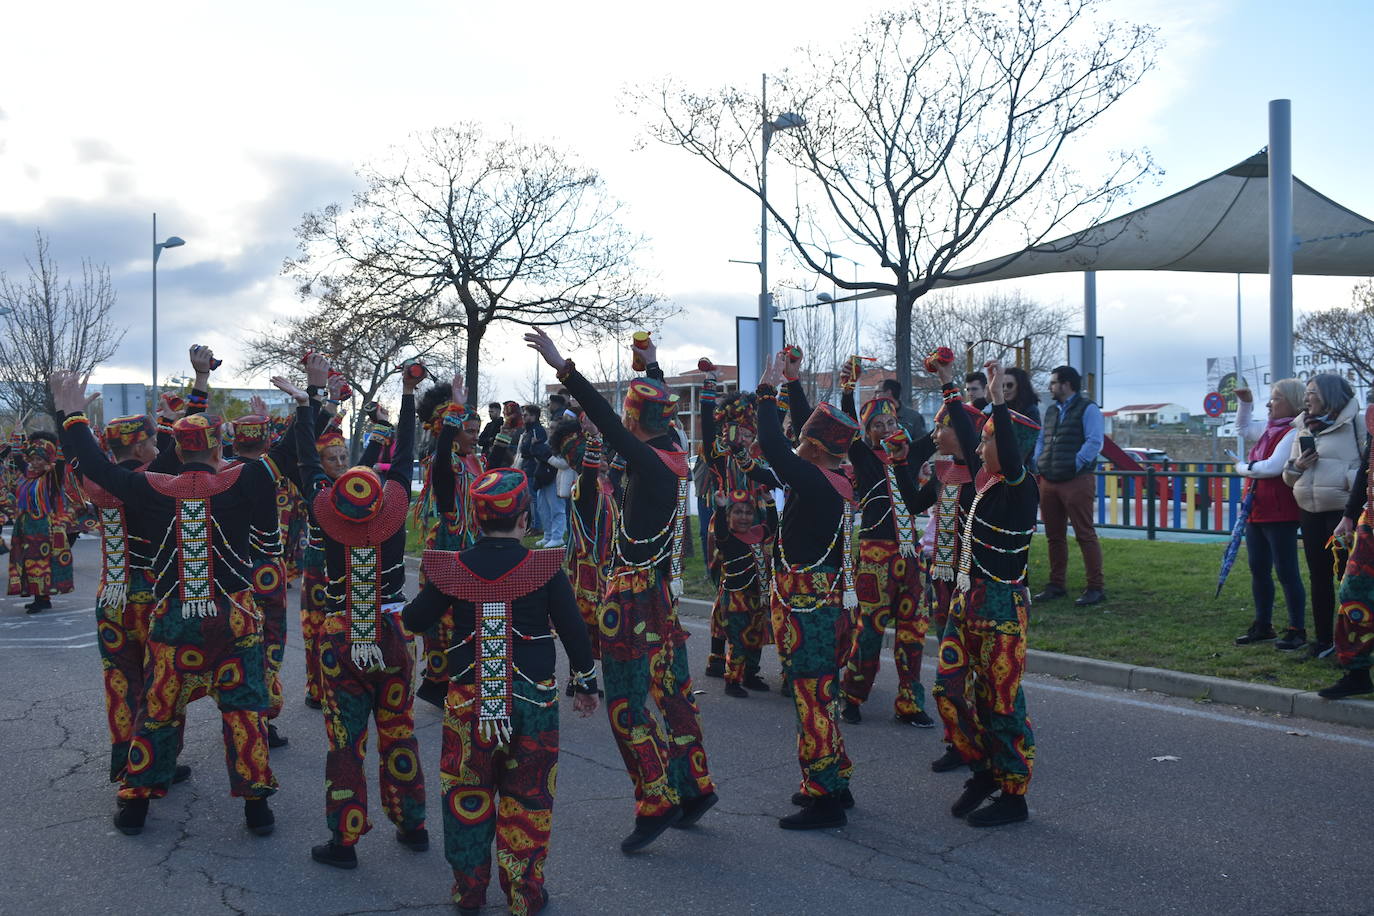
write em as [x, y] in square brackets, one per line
[940, 356]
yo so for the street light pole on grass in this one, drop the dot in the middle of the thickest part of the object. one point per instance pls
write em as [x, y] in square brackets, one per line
[172, 242]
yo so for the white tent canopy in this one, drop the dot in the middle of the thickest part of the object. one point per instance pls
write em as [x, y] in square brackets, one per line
[1220, 225]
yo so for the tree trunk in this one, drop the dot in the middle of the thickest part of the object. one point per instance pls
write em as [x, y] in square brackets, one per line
[473, 357]
[905, 303]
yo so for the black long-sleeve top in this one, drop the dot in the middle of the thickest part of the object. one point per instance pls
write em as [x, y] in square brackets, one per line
[392, 555]
[531, 615]
[1004, 520]
[1359, 491]
[250, 503]
[650, 486]
[879, 521]
[814, 511]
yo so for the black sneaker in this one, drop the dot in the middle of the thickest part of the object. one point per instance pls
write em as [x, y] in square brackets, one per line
[1050, 592]
[918, 719]
[844, 797]
[694, 808]
[736, 690]
[274, 739]
[1293, 639]
[1321, 649]
[1256, 633]
[181, 773]
[754, 682]
[850, 713]
[415, 839]
[949, 760]
[41, 603]
[1005, 809]
[1090, 597]
[649, 828]
[825, 812]
[335, 854]
[131, 815]
[715, 666]
[975, 790]
[1352, 683]
[258, 817]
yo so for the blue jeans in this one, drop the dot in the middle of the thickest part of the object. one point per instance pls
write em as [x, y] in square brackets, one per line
[1273, 550]
[553, 512]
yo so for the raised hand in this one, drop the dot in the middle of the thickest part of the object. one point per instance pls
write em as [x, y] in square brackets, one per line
[317, 370]
[542, 344]
[792, 360]
[285, 385]
[68, 391]
[460, 391]
[993, 370]
[1244, 395]
[773, 375]
[258, 406]
[202, 360]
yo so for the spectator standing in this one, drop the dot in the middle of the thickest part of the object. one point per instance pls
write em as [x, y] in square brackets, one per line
[1066, 454]
[909, 418]
[565, 439]
[487, 438]
[534, 439]
[976, 389]
[1321, 469]
[1019, 393]
[1271, 541]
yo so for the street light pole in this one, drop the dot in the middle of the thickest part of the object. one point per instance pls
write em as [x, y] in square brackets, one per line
[172, 242]
[783, 122]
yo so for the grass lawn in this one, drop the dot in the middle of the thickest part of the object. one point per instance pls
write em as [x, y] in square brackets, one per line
[1159, 612]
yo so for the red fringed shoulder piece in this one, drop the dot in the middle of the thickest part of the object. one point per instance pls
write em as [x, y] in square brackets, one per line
[675, 460]
[841, 483]
[195, 484]
[445, 570]
[950, 472]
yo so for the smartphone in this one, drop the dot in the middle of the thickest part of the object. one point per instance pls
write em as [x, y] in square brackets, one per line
[1308, 444]
[1232, 455]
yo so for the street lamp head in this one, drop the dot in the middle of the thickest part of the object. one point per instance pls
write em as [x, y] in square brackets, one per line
[824, 297]
[174, 241]
[788, 120]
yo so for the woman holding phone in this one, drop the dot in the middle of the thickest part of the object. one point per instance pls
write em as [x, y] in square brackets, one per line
[1271, 540]
[1321, 469]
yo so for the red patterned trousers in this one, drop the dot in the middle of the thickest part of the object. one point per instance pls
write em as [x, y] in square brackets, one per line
[889, 590]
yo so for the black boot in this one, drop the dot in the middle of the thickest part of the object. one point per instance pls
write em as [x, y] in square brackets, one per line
[975, 790]
[850, 713]
[258, 817]
[736, 690]
[694, 808]
[416, 839]
[826, 811]
[949, 760]
[844, 797]
[336, 854]
[274, 739]
[917, 719]
[1005, 809]
[313, 703]
[181, 773]
[1258, 632]
[131, 815]
[41, 603]
[1352, 683]
[754, 682]
[648, 828]
[715, 665]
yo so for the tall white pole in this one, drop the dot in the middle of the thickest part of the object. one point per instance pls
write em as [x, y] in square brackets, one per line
[1090, 368]
[156, 252]
[1281, 241]
[1240, 434]
[765, 349]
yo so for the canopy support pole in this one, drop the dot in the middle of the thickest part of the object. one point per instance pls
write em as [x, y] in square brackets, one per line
[1280, 240]
[1090, 366]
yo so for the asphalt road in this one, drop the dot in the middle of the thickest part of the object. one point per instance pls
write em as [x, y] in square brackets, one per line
[1140, 804]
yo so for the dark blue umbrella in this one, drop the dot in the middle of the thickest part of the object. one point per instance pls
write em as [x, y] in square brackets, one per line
[1228, 559]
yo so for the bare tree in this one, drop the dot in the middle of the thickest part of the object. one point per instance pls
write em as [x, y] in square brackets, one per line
[51, 324]
[367, 345]
[1344, 336]
[994, 322]
[935, 124]
[825, 334]
[457, 231]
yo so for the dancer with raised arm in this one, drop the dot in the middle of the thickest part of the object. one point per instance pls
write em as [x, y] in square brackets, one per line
[643, 646]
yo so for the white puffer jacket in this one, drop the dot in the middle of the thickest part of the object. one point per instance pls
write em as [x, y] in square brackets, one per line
[1326, 486]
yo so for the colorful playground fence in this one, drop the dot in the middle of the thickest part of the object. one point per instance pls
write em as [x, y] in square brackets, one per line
[1193, 499]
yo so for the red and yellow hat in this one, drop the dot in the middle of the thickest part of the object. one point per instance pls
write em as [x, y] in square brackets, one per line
[252, 431]
[359, 510]
[330, 437]
[129, 431]
[876, 407]
[830, 430]
[500, 495]
[198, 433]
[42, 448]
[651, 404]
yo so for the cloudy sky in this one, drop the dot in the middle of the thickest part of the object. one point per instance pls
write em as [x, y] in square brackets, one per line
[231, 120]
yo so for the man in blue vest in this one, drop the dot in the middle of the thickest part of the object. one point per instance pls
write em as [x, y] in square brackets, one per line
[1066, 454]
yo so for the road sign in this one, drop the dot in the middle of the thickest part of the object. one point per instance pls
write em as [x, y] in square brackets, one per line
[1214, 404]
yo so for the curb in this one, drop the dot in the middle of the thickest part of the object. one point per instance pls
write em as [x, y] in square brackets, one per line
[1283, 700]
